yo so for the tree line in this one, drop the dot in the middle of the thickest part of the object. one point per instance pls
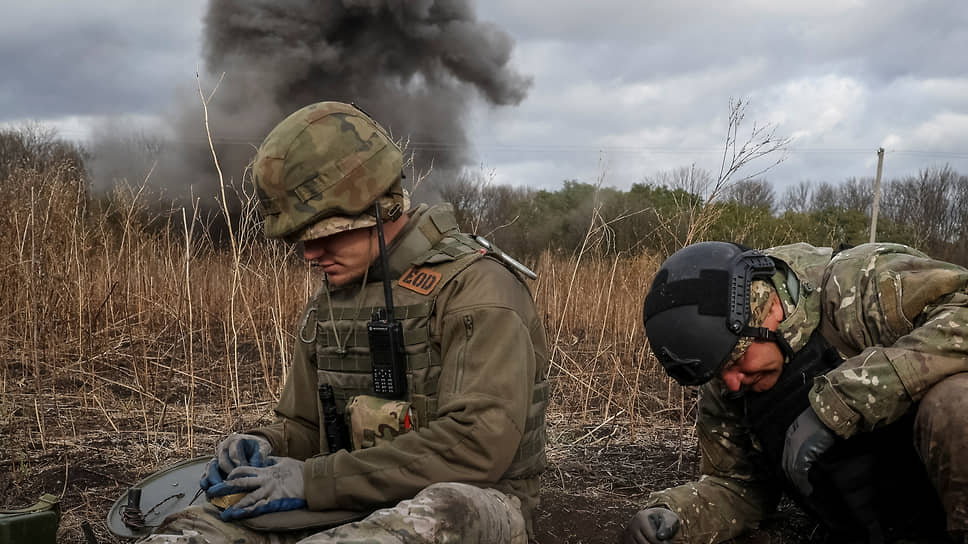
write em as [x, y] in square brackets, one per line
[928, 210]
[659, 214]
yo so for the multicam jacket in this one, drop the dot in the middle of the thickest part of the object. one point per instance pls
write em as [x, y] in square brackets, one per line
[899, 318]
[477, 362]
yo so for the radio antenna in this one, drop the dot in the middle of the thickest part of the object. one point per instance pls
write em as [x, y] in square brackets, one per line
[387, 294]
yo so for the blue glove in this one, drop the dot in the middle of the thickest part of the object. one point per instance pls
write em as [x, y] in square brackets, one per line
[236, 450]
[807, 439]
[242, 450]
[212, 476]
[276, 487]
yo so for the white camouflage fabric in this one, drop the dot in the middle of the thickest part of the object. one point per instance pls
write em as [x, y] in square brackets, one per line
[445, 512]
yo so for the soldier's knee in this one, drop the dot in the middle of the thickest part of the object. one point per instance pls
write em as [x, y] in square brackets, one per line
[448, 500]
[479, 514]
[941, 437]
[450, 489]
[470, 496]
[942, 417]
[199, 524]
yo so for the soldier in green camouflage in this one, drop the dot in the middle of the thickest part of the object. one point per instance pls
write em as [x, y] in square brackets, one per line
[840, 379]
[456, 455]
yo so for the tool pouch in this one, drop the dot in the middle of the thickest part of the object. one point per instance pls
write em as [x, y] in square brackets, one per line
[375, 421]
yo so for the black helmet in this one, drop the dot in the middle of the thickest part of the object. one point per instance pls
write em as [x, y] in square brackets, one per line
[699, 307]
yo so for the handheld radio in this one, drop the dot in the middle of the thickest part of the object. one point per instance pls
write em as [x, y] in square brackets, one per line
[385, 333]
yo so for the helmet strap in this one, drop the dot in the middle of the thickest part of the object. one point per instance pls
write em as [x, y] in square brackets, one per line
[396, 208]
[393, 211]
[765, 334]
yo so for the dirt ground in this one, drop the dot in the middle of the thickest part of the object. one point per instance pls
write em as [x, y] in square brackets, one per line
[596, 480]
[594, 486]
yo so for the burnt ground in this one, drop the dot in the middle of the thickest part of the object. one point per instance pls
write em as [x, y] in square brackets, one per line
[596, 480]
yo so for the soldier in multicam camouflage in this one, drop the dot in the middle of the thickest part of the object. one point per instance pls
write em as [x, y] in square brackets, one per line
[444, 512]
[454, 458]
[845, 386]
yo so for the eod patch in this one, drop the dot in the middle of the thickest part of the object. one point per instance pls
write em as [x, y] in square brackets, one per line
[419, 280]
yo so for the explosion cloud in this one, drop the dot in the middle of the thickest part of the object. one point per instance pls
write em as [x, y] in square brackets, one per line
[414, 65]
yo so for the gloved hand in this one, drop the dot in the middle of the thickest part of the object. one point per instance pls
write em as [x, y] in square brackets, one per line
[276, 487]
[236, 450]
[242, 450]
[652, 526]
[212, 476]
[807, 439]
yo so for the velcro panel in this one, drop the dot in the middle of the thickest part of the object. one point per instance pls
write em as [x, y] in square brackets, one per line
[400, 312]
[456, 250]
[350, 363]
[710, 292]
[424, 406]
[444, 221]
[358, 338]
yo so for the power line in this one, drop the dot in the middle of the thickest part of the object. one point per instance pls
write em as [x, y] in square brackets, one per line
[430, 145]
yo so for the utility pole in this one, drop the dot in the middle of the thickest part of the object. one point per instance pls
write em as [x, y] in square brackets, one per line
[877, 193]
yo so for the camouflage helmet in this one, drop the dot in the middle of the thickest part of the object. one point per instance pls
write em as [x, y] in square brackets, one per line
[320, 170]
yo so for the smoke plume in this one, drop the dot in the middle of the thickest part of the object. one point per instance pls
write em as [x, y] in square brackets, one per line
[414, 65]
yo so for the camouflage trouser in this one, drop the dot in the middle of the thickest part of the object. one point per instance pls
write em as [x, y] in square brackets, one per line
[941, 431]
[446, 512]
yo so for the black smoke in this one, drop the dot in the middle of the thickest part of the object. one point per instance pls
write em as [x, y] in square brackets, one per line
[414, 65]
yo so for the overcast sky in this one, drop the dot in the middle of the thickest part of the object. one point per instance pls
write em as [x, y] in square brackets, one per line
[623, 88]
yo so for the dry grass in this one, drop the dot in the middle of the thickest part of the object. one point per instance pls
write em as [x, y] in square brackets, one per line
[129, 340]
[123, 307]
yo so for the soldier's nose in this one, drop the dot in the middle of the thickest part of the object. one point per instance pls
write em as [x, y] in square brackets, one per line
[733, 380]
[313, 251]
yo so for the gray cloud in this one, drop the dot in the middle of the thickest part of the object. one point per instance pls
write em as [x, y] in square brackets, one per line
[623, 87]
[62, 59]
[644, 86]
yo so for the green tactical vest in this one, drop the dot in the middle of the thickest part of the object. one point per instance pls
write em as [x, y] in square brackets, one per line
[343, 355]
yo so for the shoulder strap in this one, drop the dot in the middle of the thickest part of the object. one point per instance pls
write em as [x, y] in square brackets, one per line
[455, 252]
